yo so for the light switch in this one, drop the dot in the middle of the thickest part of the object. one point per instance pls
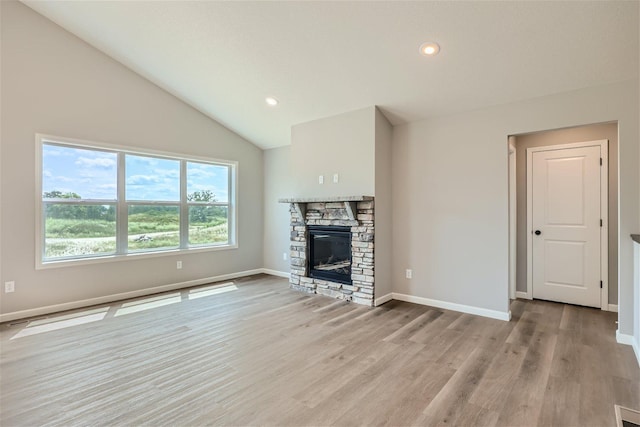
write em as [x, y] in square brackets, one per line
[321, 179]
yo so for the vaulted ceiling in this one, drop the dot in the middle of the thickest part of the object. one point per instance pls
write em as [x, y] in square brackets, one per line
[323, 58]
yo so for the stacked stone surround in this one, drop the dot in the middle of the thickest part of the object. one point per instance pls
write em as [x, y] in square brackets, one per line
[357, 214]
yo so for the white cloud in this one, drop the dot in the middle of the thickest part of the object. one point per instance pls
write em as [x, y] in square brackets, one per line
[200, 173]
[52, 151]
[142, 179]
[140, 160]
[100, 162]
[168, 173]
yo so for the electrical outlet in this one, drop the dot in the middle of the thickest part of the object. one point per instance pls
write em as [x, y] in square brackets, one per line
[320, 179]
[9, 286]
[409, 273]
[336, 178]
[284, 256]
[179, 265]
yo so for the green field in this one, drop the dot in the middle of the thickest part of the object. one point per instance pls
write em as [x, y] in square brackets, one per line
[147, 230]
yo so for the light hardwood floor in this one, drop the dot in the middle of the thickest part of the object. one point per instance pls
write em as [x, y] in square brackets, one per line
[262, 354]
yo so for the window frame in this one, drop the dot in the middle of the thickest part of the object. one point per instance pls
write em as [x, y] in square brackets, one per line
[122, 205]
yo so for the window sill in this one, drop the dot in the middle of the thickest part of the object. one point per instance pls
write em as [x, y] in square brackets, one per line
[128, 257]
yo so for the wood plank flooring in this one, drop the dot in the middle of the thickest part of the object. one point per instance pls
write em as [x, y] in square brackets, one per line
[253, 352]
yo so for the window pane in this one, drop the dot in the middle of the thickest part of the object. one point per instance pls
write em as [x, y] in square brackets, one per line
[150, 178]
[208, 224]
[207, 183]
[72, 230]
[78, 173]
[153, 227]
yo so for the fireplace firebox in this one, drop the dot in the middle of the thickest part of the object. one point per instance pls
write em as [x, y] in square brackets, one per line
[330, 253]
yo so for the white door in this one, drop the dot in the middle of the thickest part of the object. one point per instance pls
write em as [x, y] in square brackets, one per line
[566, 225]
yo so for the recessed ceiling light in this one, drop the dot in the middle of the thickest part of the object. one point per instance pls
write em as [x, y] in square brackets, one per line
[271, 101]
[429, 49]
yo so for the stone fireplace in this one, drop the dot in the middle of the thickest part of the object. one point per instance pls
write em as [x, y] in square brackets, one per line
[332, 247]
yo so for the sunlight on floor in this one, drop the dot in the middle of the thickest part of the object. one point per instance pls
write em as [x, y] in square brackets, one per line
[212, 290]
[88, 316]
[61, 322]
[148, 303]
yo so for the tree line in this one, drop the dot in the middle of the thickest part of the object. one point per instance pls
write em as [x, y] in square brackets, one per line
[197, 214]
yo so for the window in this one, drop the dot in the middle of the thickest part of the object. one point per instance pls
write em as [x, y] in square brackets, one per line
[79, 201]
[152, 189]
[101, 202]
[208, 203]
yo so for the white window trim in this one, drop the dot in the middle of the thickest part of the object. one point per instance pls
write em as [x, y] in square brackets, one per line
[232, 204]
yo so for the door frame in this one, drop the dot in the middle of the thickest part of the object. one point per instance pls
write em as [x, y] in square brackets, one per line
[513, 222]
[604, 213]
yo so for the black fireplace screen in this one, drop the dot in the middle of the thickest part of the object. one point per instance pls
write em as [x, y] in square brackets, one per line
[330, 253]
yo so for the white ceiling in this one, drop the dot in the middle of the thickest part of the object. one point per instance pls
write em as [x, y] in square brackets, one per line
[324, 58]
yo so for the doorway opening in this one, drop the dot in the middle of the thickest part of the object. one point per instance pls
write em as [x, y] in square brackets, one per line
[521, 228]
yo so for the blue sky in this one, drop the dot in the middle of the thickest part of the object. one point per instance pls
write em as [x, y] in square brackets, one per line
[93, 175]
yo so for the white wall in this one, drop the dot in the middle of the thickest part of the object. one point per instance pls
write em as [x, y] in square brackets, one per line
[54, 83]
[450, 222]
[383, 205]
[342, 144]
[277, 185]
[450, 194]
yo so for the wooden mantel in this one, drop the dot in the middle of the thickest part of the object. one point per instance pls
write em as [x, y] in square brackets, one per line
[300, 203]
[326, 199]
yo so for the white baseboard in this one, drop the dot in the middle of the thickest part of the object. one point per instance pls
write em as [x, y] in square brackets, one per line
[629, 340]
[424, 301]
[624, 338]
[384, 298]
[493, 314]
[7, 317]
[276, 273]
[613, 307]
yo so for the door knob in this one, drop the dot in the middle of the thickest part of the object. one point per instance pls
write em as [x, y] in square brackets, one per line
[538, 232]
